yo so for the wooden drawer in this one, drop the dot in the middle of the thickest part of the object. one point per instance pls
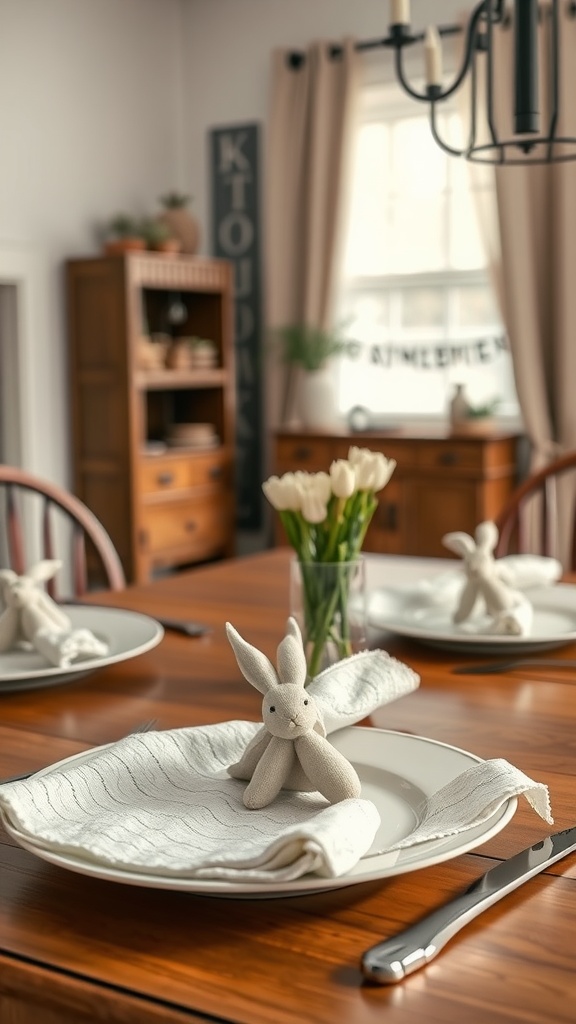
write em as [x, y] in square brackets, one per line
[180, 472]
[310, 455]
[186, 530]
[444, 455]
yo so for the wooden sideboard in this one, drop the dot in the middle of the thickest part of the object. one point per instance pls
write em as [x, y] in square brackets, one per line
[442, 481]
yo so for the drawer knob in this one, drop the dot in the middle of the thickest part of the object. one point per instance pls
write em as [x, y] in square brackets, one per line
[215, 472]
[190, 526]
[303, 452]
[448, 458]
[164, 479]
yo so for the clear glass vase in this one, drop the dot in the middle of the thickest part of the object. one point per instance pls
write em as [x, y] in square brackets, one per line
[328, 600]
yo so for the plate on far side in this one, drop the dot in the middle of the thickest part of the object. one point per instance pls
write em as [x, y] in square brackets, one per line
[554, 622]
[126, 633]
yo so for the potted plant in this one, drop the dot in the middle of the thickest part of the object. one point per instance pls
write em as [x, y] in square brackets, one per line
[158, 236]
[182, 224]
[123, 235]
[478, 419]
[312, 349]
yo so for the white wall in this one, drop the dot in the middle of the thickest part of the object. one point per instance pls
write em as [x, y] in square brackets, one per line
[90, 123]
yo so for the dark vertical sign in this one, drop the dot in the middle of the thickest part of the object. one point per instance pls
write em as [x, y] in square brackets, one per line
[236, 237]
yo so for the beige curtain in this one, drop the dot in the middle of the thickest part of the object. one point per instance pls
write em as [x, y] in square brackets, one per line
[310, 121]
[531, 238]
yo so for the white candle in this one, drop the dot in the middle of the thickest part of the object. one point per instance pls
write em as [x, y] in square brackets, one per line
[400, 12]
[433, 57]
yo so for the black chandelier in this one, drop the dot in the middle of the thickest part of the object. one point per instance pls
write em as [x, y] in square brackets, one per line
[528, 144]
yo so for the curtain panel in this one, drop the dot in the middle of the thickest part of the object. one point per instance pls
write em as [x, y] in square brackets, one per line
[308, 154]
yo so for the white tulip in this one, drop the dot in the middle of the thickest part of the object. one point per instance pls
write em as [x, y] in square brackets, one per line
[355, 454]
[343, 478]
[383, 469]
[283, 493]
[314, 509]
[372, 469]
[316, 493]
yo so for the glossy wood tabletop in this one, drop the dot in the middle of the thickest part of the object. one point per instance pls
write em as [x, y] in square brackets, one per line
[75, 949]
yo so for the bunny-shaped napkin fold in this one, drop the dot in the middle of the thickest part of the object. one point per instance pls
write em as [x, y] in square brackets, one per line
[481, 595]
[165, 803]
[31, 619]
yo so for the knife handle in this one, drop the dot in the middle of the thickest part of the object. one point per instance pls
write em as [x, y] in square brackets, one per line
[392, 960]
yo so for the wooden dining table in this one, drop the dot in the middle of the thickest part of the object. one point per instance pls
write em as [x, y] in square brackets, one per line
[75, 949]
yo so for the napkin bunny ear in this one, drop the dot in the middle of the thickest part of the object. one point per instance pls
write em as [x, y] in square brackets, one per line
[486, 536]
[291, 658]
[461, 543]
[44, 570]
[253, 664]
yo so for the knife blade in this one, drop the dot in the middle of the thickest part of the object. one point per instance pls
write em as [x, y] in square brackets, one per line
[392, 960]
[490, 667]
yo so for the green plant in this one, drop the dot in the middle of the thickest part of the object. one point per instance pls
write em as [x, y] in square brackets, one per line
[123, 226]
[311, 347]
[154, 231]
[476, 412]
[174, 200]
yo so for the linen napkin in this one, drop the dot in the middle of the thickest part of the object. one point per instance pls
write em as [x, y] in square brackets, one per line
[31, 620]
[63, 647]
[163, 803]
[440, 594]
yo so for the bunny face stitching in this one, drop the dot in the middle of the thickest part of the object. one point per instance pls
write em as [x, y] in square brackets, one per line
[288, 711]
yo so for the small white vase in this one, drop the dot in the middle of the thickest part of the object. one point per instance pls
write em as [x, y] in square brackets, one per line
[317, 399]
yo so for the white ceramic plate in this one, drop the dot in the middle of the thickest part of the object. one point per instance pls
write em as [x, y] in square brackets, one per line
[126, 633]
[397, 772]
[396, 609]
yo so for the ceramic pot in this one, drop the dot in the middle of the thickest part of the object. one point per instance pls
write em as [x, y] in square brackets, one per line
[317, 399]
[183, 226]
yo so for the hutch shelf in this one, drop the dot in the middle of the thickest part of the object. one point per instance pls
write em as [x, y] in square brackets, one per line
[165, 501]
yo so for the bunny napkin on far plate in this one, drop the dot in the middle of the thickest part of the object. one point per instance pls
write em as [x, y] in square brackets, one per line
[30, 619]
[484, 595]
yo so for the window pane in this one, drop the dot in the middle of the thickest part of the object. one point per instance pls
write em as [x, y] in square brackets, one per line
[423, 307]
[368, 234]
[419, 165]
[475, 306]
[418, 235]
[465, 246]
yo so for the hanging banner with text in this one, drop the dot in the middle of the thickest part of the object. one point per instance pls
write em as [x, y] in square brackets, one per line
[430, 356]
[236, 237]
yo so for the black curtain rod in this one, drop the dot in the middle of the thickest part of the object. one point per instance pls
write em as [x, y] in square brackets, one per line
[297, 58]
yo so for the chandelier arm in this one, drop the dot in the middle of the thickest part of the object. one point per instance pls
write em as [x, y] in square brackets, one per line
[555, 50]
[490, 76]
[451, 150]
[483, 7]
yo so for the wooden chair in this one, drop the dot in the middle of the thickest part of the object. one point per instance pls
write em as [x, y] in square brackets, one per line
[40, 520]
[540, 509]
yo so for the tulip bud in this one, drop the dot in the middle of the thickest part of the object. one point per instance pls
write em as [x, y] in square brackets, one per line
[343, 478]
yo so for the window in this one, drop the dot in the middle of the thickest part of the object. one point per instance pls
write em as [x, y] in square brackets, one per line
[415, 290]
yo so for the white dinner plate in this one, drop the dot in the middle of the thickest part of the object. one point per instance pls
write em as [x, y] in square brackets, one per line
[397, 771]
[396, 609]
[126, 633]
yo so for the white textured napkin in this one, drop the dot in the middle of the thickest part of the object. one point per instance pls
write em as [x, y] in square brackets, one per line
[31, 620]
[163, 803]
[63, 647]
[440, 594]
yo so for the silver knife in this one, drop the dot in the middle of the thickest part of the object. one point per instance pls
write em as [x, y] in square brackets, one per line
[393, 959]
